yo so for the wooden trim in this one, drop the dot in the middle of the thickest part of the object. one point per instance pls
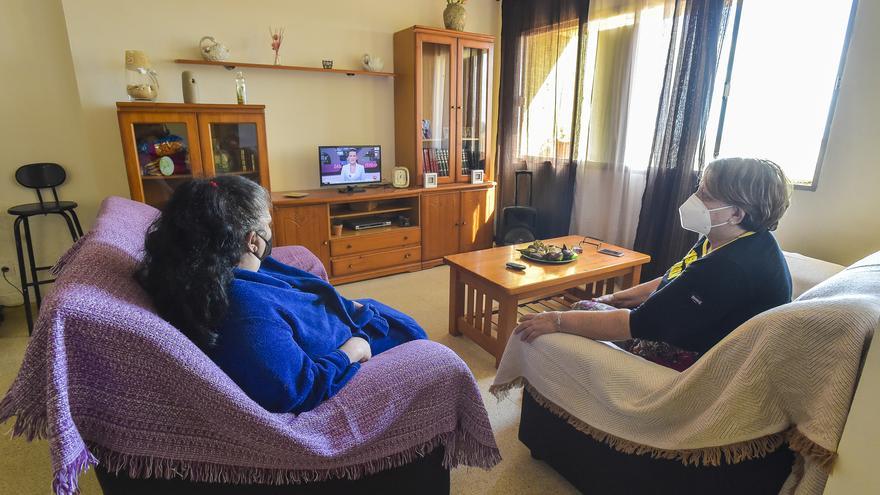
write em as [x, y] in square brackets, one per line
[205, 121]
[405, 94]
[331, 195]
[148, 106]
[229, 65]
[449, 32]
[127, 121]
[489, 169]
[437, 39]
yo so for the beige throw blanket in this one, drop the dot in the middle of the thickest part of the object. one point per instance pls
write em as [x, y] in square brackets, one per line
[787, 375]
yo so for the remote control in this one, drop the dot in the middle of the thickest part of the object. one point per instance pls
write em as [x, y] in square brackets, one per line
[515, 266]
[611, 252]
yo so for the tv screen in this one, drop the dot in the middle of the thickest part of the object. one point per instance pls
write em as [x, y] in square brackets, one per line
[343, 165]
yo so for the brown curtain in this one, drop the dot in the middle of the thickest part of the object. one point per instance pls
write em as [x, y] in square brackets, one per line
[679, 136]
[539, 104]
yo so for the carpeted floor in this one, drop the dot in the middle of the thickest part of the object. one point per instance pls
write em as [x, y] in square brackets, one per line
[25, 467]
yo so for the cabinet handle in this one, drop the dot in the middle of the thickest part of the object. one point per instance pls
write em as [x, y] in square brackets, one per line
[350, 265]
[325, 242]
[405, 238]
[407, 255]
[348, 247]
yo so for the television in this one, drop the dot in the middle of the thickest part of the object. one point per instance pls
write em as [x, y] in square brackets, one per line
[350, 165]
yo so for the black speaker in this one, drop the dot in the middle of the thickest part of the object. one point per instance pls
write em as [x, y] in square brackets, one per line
[518, 222]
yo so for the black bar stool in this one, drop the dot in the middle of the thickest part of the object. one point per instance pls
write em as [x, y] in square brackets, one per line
[39, 176]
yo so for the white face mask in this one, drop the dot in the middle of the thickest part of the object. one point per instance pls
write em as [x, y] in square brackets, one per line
[695, 216]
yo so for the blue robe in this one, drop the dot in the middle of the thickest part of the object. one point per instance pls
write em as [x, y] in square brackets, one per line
[280, 339]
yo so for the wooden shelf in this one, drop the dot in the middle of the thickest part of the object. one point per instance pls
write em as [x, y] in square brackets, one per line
[378, 230]
[166, 177]
[241, 172]
[380, 211]
[229, 65]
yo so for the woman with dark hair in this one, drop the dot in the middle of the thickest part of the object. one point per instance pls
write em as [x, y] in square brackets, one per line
[285, 336]
[735, 271]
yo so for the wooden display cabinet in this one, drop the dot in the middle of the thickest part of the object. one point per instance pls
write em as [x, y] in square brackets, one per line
[442, 103]
[165, 144]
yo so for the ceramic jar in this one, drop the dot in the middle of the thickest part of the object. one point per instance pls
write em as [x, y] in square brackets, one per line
[455, 16]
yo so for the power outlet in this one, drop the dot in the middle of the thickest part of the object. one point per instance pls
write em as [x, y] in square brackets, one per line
[10, 272]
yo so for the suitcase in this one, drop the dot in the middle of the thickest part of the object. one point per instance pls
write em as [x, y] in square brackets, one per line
[518, 222]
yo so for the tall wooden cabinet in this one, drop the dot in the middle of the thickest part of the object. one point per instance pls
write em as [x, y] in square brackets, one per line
[442, 103]
[165, 144]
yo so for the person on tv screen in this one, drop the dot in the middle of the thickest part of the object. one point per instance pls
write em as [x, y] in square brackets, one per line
[353, 171]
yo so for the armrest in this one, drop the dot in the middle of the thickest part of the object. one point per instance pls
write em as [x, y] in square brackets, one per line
[301, 258]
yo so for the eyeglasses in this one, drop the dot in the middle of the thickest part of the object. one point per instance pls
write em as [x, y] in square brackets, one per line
[588, 240]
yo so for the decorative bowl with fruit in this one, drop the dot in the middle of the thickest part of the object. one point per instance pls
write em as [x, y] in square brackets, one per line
[548, 253]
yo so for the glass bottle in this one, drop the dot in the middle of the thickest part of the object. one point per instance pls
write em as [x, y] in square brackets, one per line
[240, 89]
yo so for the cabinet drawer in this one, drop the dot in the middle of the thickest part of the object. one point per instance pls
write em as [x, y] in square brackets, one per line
[376, 261]
[385, 240]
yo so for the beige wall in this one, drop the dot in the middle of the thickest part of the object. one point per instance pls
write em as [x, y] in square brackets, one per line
[303, 109]
[855, 469]
[64, 61]
[840, 221]
[42, 121]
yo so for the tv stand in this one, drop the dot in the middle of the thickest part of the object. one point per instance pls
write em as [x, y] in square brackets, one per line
[426, 225]
[351, 189]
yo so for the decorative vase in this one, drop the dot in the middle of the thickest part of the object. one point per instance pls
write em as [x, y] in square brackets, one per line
[455, 16]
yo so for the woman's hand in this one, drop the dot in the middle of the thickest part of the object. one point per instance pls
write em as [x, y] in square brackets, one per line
[608, 299]
[534, 325]
[357, 349]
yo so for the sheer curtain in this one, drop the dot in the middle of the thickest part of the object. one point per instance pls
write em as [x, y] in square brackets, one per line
[539, 102]
[680, 131]
[625, 55]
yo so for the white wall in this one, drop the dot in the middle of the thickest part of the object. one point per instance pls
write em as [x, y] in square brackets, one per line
[840, 221]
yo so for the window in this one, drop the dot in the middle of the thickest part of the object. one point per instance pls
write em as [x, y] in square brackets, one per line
[783, 64]
[547, 88]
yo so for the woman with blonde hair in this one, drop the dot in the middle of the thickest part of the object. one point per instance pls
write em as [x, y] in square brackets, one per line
[735, 271]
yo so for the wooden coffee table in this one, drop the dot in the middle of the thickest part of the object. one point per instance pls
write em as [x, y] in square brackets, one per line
[486, 298]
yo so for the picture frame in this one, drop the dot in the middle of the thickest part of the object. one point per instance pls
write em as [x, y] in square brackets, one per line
[477, 176]
[430, 180]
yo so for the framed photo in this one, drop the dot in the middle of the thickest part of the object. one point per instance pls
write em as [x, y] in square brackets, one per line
[430, 180]
[476, 176]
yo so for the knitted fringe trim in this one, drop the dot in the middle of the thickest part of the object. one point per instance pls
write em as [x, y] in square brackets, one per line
[708, 456]
[460, 448]
[30, 424]
[799, 443]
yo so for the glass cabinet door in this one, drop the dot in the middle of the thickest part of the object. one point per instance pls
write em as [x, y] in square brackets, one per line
[232, 145]
[436, 116]
[166, 150]
[474, 95]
